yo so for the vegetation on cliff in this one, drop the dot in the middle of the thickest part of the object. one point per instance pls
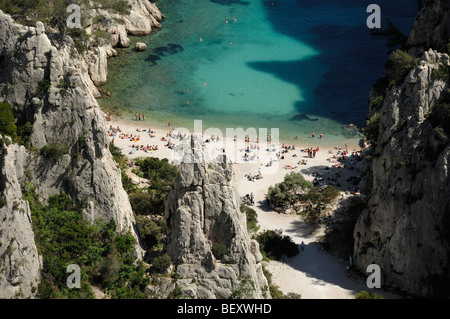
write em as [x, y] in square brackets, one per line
[399, 64]
[7, 126]
[107, 259]
[148, 202]
[53, 13]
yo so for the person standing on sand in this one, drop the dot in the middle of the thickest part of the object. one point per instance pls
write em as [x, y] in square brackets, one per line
[313, 133]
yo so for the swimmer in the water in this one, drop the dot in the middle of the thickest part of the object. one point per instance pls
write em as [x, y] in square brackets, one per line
[226, 20]
[201, 40]
[204, 84]
[186, 102]
[231, 43]
[234, 19]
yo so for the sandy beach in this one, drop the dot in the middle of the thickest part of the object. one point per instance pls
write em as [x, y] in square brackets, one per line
[313, 273]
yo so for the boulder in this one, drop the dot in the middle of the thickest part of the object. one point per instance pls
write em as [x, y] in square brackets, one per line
[140, 46]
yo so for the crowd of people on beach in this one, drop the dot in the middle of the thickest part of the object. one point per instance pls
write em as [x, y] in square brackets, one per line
[139, 116]
[340, 158]
[254, 177]
[249, 199]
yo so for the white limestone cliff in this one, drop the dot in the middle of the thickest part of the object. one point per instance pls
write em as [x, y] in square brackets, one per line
[49, 87]
[203, 210]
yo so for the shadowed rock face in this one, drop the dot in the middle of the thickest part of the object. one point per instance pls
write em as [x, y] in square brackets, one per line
[203, 210]
[405, 229]
[431, 26]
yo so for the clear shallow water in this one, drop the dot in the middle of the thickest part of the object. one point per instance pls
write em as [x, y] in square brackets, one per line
[295, 65]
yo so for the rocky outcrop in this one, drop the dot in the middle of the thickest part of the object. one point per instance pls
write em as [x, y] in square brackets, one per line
[139, 46]
[144, 18]
[405, 229]
[431, 27]
[47, 85]
[20, 263]
[202, 211]
[97, 61]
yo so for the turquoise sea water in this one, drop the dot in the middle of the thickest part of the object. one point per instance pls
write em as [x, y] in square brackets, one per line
[296, 65]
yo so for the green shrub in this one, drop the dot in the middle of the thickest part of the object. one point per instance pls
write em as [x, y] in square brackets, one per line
[7, 126]
[273, 245]
[160, 173]
[117, 154]
[252, 217]
[161, 264]
[127, 184]
[24, 133]
[101, 37]
[152, 233]
[377, 103]
[54, 151]
[80, 39]
[106, 258]
[399, 65]
[147, 203]
[295, 188]
[2, 202]
[440, 117]
[120, 6]
[64, 84]
[442, 73]
[43, 86]
[99, 19]
[288, 191]
[244, 290]
[219, 250]
[82, 142]
[371, 130]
